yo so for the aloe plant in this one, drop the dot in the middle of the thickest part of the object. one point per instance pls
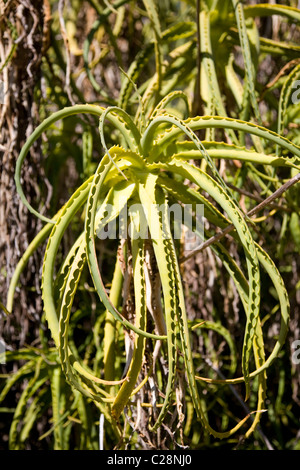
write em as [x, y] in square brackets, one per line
[161, 159]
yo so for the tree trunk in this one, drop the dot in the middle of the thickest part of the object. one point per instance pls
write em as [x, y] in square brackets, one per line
[23, 31]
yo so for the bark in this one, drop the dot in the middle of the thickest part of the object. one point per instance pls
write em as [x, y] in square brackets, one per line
[23, 41]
